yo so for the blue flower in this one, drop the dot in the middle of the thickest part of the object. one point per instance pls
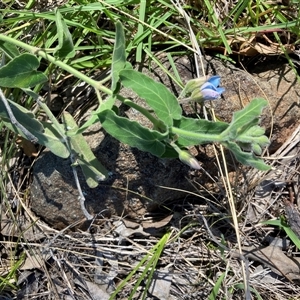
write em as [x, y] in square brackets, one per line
[202, 89]
[210, 90]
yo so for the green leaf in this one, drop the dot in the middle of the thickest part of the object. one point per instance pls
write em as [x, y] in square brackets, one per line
[292, 236]
[277, 222]
[119, 56]
[207, 128]
[132, 133]
[253, 123]
[148, 262]
[50, 138]
[53, 141]
[256, 148]
[118, 64]
[253, 138]
[170, 152]
[244, 158]
[244, 131]
[246, 117]
[280, 223]
[23, 116]
[256, 131]
[92, 169]
[254, 144]
[21, 72]
[251, 135]
[216, 288]
[65, 48]
[9, 49]
[157, 96]
[45, 133]
[92, 120]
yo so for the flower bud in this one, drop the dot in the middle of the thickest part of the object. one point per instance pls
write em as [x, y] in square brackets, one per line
[194, 84]
[189, 159]
[197, 96]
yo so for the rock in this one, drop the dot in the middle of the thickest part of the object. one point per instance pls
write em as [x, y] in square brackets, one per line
[132, 189]
[135, 184]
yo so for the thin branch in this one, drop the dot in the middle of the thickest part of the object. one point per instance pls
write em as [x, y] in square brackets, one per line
[81, 196]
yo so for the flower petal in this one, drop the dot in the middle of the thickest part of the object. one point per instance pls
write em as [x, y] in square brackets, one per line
[220, 90]
[214, 80]
[209, 94]
[208, 85]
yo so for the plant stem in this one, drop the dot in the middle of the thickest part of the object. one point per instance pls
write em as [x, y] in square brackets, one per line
[157, 123]
[199, 138]
[37, 51]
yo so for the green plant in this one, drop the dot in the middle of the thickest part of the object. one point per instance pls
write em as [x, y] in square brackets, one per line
[282, 224]
[8, 280]
[171, 134]
[149, 263]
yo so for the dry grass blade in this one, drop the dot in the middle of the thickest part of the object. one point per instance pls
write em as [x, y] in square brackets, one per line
[223, 170]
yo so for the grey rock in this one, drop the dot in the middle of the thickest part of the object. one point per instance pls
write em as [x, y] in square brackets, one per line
[132, 189]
